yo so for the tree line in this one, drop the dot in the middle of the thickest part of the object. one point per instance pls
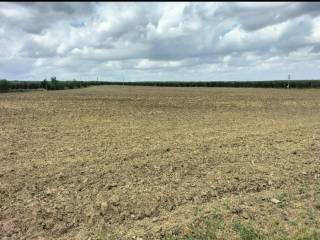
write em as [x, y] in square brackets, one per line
[54, 84]
[243, 84]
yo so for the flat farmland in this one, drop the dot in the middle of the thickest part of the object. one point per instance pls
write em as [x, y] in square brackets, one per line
[153, 162]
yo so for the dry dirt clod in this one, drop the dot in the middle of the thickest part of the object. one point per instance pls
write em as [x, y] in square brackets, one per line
[103, 207]
[155, 219]
[50, 191]
[237, 210]
[111, 185]
[115, 200]
[275, 201]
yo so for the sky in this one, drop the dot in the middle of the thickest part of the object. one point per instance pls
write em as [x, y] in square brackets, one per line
[154, 41]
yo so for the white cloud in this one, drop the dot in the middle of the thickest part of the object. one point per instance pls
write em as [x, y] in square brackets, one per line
[164, 41]
[148, 64]
[315, 35]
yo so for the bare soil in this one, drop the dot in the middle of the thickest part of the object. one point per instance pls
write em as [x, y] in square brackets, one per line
[141, 161]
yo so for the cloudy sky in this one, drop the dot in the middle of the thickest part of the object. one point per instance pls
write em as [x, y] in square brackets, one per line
[160, 41]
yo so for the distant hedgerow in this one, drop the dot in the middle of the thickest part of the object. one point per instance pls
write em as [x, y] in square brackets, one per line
[55, 84]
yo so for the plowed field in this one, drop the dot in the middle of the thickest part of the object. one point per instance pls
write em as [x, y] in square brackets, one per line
[145, 161]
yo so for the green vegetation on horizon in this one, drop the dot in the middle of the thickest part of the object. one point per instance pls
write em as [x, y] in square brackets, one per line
[54, 84]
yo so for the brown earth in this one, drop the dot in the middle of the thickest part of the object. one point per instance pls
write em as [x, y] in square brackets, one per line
[139, 161]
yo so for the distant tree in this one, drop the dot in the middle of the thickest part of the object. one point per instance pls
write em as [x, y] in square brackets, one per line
[44, 84]
[4, 85]
[54, 84]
